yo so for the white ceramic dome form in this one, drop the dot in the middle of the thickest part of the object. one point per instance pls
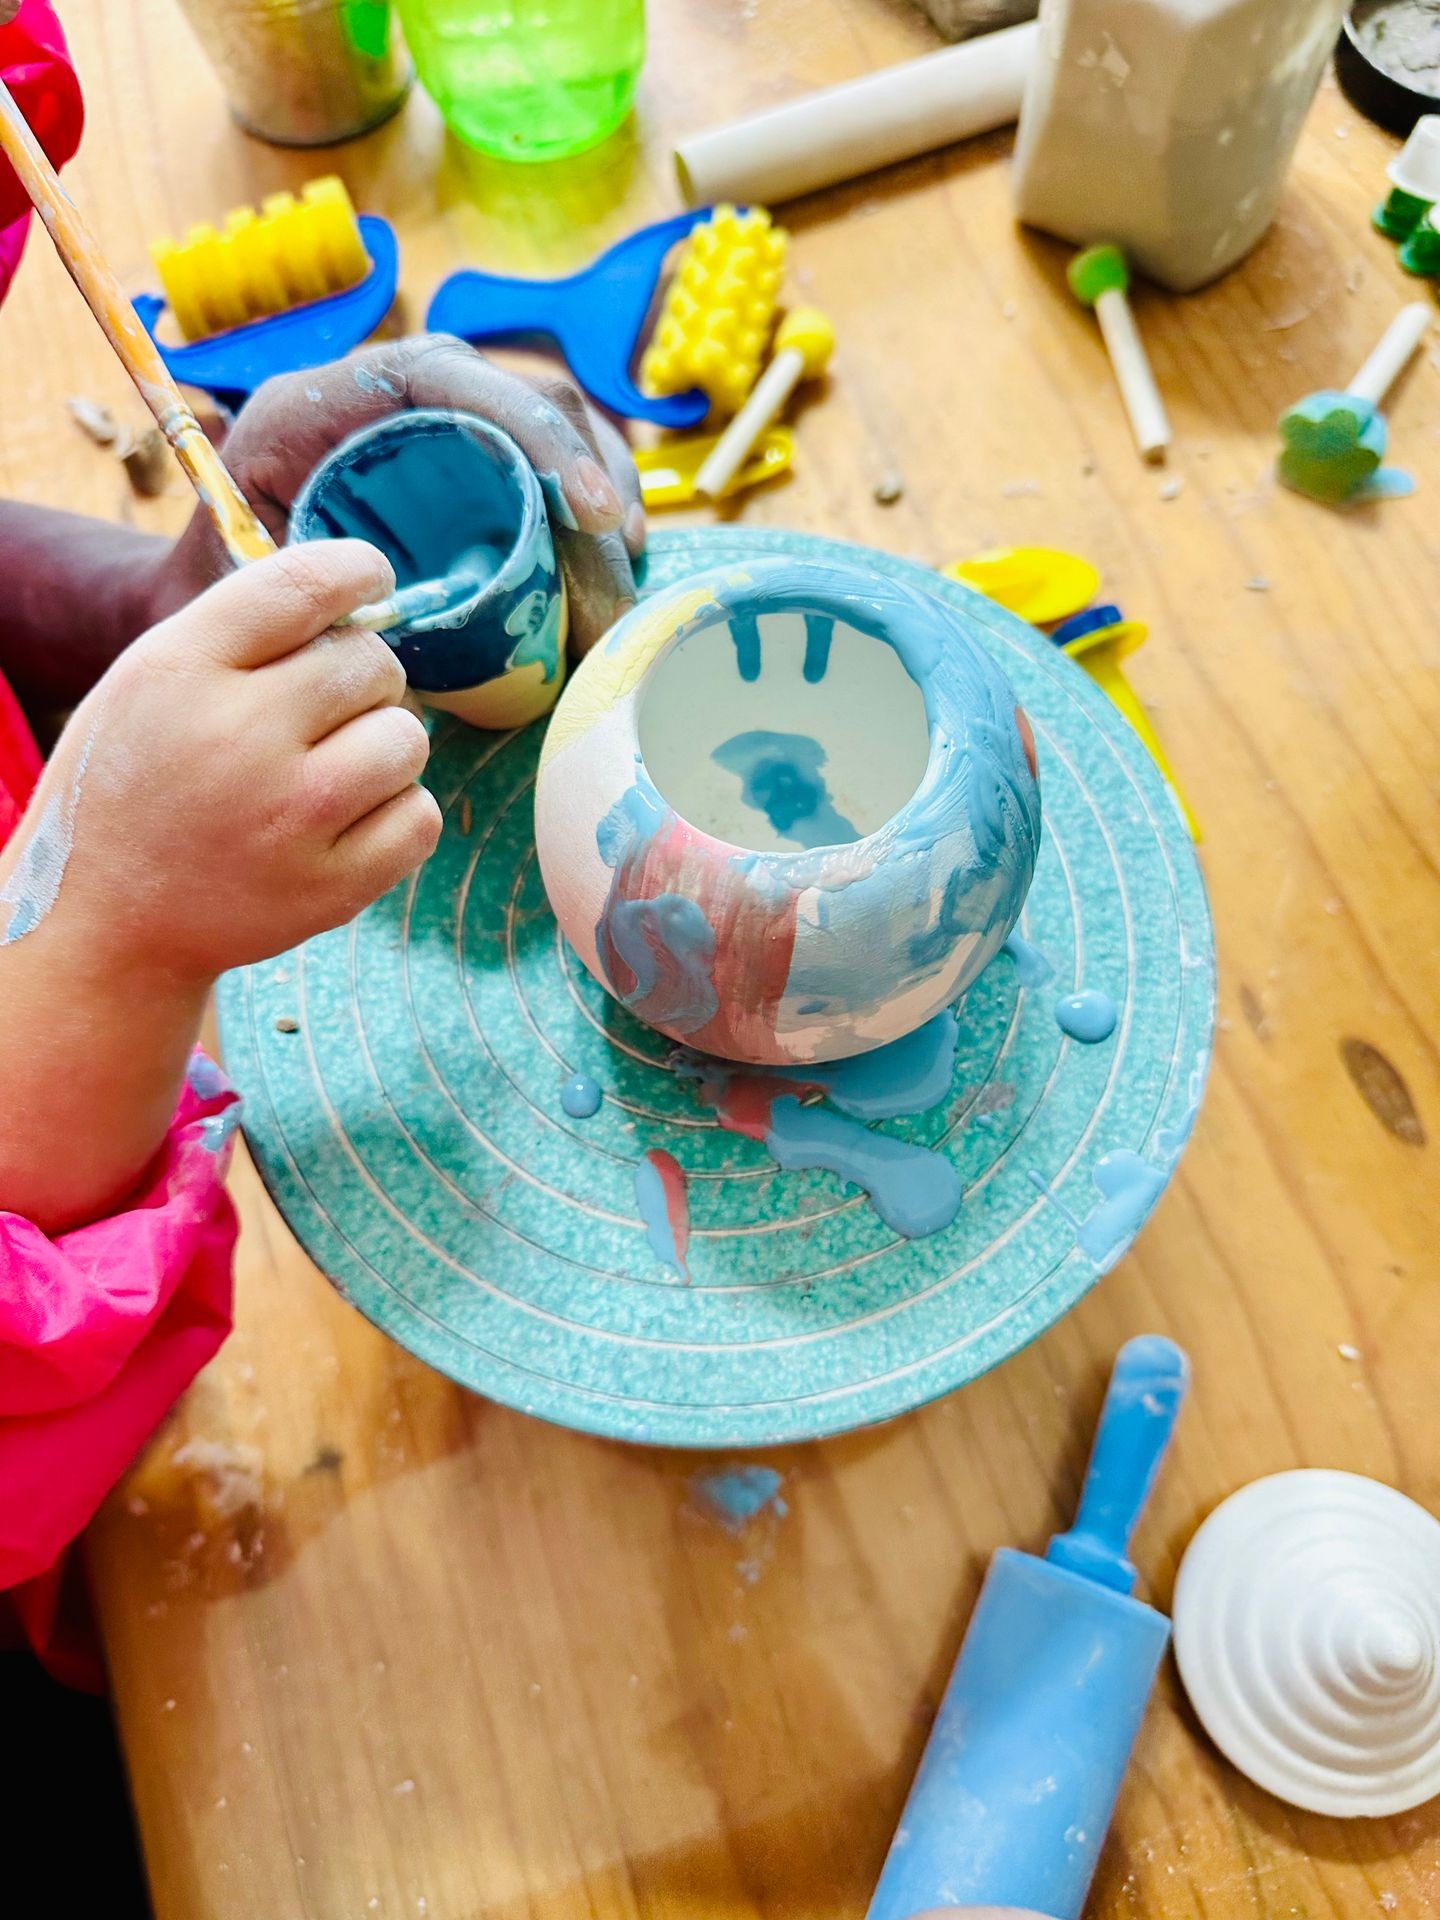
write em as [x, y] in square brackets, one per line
[1307, 1632]
[787, 813]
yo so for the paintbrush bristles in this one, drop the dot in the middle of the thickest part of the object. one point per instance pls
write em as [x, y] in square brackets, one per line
[244, 537]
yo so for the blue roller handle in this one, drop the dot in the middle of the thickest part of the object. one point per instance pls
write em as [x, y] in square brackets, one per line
[1018, 1781]
[595, 317]
[230, 365]
[1141, 1408]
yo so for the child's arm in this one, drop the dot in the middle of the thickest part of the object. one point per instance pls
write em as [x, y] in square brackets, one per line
[241, 779]
[78, 591]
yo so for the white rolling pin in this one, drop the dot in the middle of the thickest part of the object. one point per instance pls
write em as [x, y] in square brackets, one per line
[862, 124]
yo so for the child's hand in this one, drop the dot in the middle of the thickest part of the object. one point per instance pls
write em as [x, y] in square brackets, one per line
[240, 779]
[589, 479]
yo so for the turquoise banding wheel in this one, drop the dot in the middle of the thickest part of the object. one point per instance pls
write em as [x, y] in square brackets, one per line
[413, 1135]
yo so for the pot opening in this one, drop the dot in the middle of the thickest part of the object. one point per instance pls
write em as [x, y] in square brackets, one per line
[440, 495]
[778, 731]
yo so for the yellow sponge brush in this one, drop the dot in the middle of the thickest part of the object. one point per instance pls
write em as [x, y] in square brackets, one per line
[719, 309]
[291, 251]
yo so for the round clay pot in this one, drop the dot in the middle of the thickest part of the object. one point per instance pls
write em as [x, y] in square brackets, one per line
[787, 813]
[457, 510]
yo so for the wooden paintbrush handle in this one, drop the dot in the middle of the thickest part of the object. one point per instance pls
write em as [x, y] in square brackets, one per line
[244, 537]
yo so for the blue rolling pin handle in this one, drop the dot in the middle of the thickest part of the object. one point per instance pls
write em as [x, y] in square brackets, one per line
[1014, 1795]
[230, 365]
[1141, 1408]
[595, 317]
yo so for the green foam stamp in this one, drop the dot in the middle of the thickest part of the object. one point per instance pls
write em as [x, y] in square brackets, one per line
[405, 1082]
[1333, 443]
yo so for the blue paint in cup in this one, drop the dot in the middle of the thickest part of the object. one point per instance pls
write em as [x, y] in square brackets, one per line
[456, 508]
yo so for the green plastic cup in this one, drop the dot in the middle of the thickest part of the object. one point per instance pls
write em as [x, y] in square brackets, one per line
[528, 79]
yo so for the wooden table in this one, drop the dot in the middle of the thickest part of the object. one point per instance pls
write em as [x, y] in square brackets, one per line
[382, 1648]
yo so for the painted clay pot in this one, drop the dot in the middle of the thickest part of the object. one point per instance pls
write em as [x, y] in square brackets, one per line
[787, 813]
[456, 508]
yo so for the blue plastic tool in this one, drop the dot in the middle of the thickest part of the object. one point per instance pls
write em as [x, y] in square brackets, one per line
[1092, 620]
[230, 365]
[594, 317]
[1017, 1785]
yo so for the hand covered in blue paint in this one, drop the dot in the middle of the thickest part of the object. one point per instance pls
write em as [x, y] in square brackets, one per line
[589, 480]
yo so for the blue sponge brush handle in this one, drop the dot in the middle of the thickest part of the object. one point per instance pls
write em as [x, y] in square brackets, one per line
[1141, 1408]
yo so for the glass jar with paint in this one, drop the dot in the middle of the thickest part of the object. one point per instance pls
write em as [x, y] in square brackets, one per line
[787, 814]
[528, 79]
[457, 510]
[1167, 126]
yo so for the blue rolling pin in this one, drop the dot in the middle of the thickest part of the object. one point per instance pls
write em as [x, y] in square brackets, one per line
[1018, 1782]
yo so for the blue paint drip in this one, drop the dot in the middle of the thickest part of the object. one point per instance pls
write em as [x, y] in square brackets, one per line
[581, 1096]
[216, 1128]
[819, 632]
[781, 776]
[1088, 1016]
[1129, 1188]
[910, 1075]
[745, 632]
[669, 946]
[1032, 967]
[204, 1078]
[556, 503]
[735, 1495]
[914, 1190]
[653, 1201]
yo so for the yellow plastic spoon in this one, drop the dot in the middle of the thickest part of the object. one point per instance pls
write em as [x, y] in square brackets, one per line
[1041, 584]
[1100, 653]
[668, 469]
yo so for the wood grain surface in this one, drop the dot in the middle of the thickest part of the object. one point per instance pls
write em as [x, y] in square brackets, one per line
[381, 1648]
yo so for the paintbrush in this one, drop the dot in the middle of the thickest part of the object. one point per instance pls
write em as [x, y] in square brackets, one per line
[240, 531]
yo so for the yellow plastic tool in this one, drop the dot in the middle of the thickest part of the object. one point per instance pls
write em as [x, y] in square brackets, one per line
[667, 471]
[1041, 584]
[1100, 653]
[717, 314]
[264, 262]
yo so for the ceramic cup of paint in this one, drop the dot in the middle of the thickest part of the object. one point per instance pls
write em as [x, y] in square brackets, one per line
[786, 813]
[457, 509]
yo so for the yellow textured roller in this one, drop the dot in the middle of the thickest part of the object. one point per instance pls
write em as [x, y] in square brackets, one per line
[292, 250]
[717, 314]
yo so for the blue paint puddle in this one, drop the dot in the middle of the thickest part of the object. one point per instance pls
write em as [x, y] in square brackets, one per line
[911, 1075]
[1128, 1188]
[782, 776]
[736, 1495]
[581, 1096]
[1088, 1016]
[915, 1190]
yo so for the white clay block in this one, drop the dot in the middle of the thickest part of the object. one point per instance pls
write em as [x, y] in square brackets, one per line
[1166, 126]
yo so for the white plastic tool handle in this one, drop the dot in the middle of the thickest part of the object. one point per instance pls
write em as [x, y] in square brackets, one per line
[863, 124]
[1148, 419]
[1399, 341]
[770, 393]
